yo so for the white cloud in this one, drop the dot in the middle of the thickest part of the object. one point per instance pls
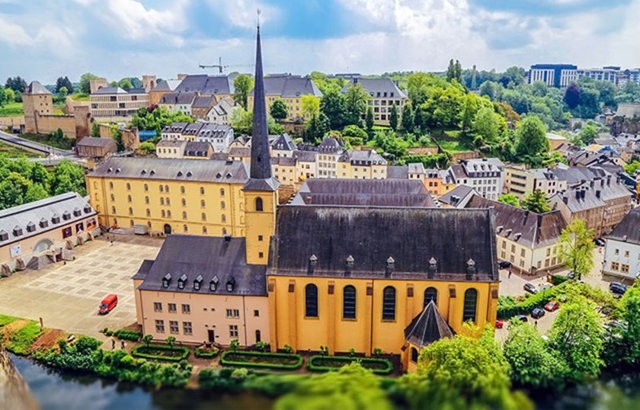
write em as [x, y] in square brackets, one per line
[13, 34]
[243, 13]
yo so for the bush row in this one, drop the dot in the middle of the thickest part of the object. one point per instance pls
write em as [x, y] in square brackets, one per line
[206, 353]
[128, 335]
[320, 363]
[174, 353]
[558, 279]
[279, 361]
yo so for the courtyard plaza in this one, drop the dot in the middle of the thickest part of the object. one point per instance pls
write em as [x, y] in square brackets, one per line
[66, 295]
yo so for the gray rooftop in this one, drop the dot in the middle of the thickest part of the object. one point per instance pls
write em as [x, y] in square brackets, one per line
[377, 87]
[458, 196]
[628, 230]
[24, 221]
[206, 84]
[397, 172]
[233, 172]
[95, 142]
[35, 88]
[428, 327]
[184, 98]
[207, 259]
[289, 86]
[400, 241]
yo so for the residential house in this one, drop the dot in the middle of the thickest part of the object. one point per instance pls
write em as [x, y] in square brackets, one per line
[384, 94]
[219, 136]
[329, 152]
[486, 175]
[169, 148]
[520, 181]
[458, 197]
[306, 164]
[290, 89]
[283, 146]
[96, 148]
[201, 106]
[364, 164]
[114, 102]
[221, 112]
[198, 150]
[622, 251]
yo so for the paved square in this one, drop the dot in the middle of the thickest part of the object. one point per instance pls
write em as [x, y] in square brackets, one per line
[66, 296]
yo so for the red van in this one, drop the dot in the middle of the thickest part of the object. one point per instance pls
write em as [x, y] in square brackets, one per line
[108, 303]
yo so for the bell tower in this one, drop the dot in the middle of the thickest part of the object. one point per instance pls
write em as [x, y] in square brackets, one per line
[261, 191]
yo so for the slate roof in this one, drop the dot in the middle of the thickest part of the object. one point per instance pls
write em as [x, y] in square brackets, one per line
[244, 152]
[205, 258]
[197, 149]
[171, 143]
[24, 221]
[205, 101]
[397, 172]
[289, 86]
[330, 145]
[592, 194]
[206, 84]
[110, 90]
[36, 88]
[193, 128]
[458, 196]
[284, 161]
[411, 237]
[526, 228]
[628, 230]
[305, 156]
[283, 143]
[416, 168]
[178, 98]
[364, 192]
[210, 130]
[574, 175]
[231, 172]
[376, 87]
[428, 327]
[362, 157]
[175, 127]
[95, 142]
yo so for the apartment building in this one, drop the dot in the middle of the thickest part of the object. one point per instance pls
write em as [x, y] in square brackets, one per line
[329, 152]
[290, 89]
[364, 164]
[111, 102]
[485, 175]
[521, 181]
[384, 93]
[622, 251]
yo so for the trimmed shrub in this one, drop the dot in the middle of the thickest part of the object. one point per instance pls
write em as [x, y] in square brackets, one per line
[206, 353]
[278, 361]
[128, 335]
[321, 363]
[161, 352]
[558, 279]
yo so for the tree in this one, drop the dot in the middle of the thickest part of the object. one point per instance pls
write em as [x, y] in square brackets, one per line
[369, 121]
[35, 192]
[64, 82]
[146, 339]
[407, 118]
[125, 84]
[279, 110]
[116, 134]
[490, 89]
[62, 94]
[95, 130]
[171, 341]
[2, 97]
[354, 135]
[531, 137]
[393, 117]
[85, 82]
[17, 84]
[317, 127]
[355, 103]
[576, 335]
[533, 363]
[309, 105]
[632, 167]
[462, 372]
[68, 177]
[350, 387]
[576, 244]
[510, 199]
[242, 84]
[588, 134]
[486, 126]
[451, 71]
[334, 107]
[631, 309]
[9, 95]
[13, 190]
[536, 202]
[147, 147]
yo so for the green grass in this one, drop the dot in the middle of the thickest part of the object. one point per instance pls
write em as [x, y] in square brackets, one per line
[22, 340]
[13, 109]
[79, 97]
[12, 151]
[454, 146]
[5, 320]
[67, 143]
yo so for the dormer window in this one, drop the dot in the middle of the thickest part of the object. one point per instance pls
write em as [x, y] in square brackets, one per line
[433, 267]
[391, 264]
[166, 280]
[179, 173]
[313, 262]
[55, 219]
[152, 172]
[143, 172]
[189, 173]
[87, 209]
[4, 236]
[66, 215]
[213, 284]
[31, 227]
[182, 281]
[77, 212]
[471, 267]
[231, 283]
[17, 231]
[197, 283]
[44, 223]
[517, 236]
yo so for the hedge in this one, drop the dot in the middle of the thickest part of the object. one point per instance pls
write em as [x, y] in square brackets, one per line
[128, 335]
[205, 353]
[525, 307]
[143, 351]
[320, 363]
[558, 279]
[265, 360]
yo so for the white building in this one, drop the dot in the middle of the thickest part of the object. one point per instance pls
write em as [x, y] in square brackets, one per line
[622, 252]
[329, 152]
[485, 175]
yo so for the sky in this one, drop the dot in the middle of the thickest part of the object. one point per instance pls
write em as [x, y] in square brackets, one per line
[44, 39]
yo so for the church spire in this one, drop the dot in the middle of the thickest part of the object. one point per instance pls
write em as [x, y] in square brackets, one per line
[260, 161]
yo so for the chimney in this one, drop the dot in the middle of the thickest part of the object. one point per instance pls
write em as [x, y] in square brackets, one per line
[390, 267]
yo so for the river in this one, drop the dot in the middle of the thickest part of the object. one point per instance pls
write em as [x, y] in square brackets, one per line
[56, 390]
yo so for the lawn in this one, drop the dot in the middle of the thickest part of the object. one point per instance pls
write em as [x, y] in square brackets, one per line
[46, 139]
[5, 320]
[21, 340]
[79, 97]
[13, 109]
[12, 151]
[454, 146]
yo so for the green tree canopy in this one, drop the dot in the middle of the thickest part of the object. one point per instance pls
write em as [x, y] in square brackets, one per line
[85, 82]
[13, 190]
[536, 201]
[531, 138]
[309, 105]
[407, 118]
[588, 134]
[632, 167]
[393, 117]
[317, 127]
[355, 102]
[279, 110]
[509, 199]
[68, 177]
[576, 244]
[242, 123]
[242, 84]
[17, 84]
[350, 388]
[576, 335]
[333, 105]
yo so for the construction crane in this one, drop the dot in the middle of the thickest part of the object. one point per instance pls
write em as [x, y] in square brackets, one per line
[219, 66]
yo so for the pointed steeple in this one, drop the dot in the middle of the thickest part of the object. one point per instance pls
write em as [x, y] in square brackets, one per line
[260, 161]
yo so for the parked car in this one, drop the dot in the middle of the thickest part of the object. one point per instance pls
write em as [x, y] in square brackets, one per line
[571, 275]
[504, 264]
[521, 318]
[551, 306]
[617, 288]
[531, 288]
[499, 324]
[537, 313]
[107, 304]
[599, 242]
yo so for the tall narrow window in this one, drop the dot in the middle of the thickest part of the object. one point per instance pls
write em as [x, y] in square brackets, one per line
[311, 300]
[389, 303]
[259, 207]
[470, 303]
[429, 295]
[349, 302]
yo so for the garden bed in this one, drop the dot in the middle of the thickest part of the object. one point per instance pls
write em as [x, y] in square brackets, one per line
[325, 363]
[206, 352]
[161, 352]
[279, 361]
